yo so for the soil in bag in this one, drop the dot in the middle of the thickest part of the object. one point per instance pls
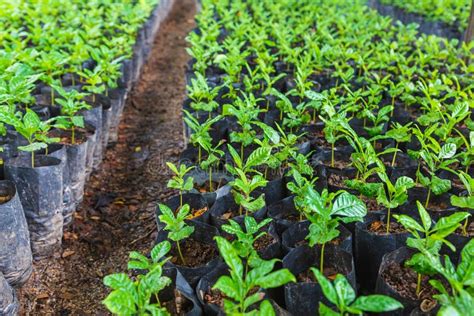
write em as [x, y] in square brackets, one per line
[225, 208]
[372, 243]
[9, 305]
[199, 252]
[303, 297]
[15, 249]
[400, 282]
[41, 194]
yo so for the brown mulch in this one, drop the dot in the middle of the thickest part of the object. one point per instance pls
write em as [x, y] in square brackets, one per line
[117, 215]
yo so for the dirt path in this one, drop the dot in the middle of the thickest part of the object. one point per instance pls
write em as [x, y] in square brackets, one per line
[117, 215]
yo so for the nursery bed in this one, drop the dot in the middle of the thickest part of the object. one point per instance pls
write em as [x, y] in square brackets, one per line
[120, 199]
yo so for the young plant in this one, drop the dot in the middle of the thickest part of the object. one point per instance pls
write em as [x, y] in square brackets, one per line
[202, 95]
[71, 103]
[93, 80]
[246, 113]
[325, 211]
[133, 297]
[214, 155]
[378, 120]
[428, 238]
[466, 201]
[342, 295]
[335, 127]
[245, 240]
[179, 181]
[200, 137]
[176, 225]
[435, 157]
[247, 179]
[240, 284]
[31, 128]
[393, 195]
[399, 133]
[456, 300]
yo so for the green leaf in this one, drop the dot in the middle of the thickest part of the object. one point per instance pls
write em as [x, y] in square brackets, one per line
[227, 286]
[230, 256]
[409, 223]
[78, 121]
[347, 204]
[463, 201]
[376, 303]
[118, 281]
[276, 279]
[440, 186]
[344, 290]
[425, 217]
[326, 311]
[328, 289]
[120, 303]
[33, 147]
[266, 309]
[258, 157]
[447, 151]
[404, 182]
[32, 121]
[160, 250]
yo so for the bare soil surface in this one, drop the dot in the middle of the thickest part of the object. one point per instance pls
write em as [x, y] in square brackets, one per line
[117, 215]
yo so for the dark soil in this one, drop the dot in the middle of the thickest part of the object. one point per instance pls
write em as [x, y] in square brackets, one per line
[206, 187]
[380, 228]
[263, 242]
[338, 164]
[403, 280]
[66, 136]
[337, 180]
[180, 306]
[195, 253]
[372, 204]
[215, 297]
[117, 215]
[308, 275]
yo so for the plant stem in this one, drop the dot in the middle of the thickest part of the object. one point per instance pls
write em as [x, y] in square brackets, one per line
[418, 285]
[388, 220]
[199, 154]
[73, 135]
[395, 155]
[210, 179]
[464, 227]
[180, 254]
[32, 159]
[242, 151]
[321, 259]
[428, 198]
[180, 199]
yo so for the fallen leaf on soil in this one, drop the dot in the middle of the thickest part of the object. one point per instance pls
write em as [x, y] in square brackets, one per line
[375, 225]
[133, 208]
[42, 296]
[226, 215]
[68, 253]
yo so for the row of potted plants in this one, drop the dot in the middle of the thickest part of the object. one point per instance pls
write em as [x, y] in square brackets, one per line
[321, 137]
[454, 13]
[66, 68]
